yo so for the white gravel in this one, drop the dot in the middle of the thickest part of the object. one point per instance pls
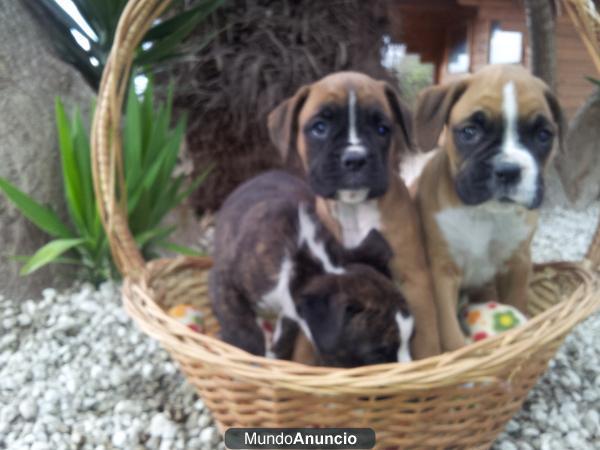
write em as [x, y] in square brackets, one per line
[75, 373]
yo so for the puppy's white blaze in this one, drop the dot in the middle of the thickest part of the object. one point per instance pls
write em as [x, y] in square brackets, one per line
[278, 326]
[308, 234]
[510, 108]
[405, 328]
[279, 299]
[513, 151]
[352, 133]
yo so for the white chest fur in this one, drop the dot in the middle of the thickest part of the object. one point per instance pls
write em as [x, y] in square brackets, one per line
[357, 220]
[482, 238]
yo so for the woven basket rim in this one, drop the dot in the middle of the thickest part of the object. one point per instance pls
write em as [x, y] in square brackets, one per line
[471, 362]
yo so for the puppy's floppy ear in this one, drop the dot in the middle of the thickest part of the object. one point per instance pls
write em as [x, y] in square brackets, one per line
[283, 122]
[402, 115]
[373, 251]
[558, 116]
[433, 109]
[325, 318]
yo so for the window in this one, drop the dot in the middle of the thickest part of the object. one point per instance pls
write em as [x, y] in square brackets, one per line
[458, 57]
[506, 47]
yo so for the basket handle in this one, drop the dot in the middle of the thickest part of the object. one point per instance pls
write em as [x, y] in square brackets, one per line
[593, 254]
[106, 142]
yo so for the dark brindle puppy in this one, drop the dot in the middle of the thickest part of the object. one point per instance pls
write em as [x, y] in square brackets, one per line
[273, 258]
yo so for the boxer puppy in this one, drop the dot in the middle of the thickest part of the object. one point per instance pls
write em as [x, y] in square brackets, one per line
[272, 258]
[346, 134]
[478, 195]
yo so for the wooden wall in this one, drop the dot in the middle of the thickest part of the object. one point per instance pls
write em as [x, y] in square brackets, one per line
[573, 61]
[573, 65]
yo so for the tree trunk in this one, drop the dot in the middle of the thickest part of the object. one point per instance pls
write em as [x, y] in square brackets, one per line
[541, 29]
[30, 79]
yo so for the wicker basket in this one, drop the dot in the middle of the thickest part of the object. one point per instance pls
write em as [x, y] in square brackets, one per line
[457, 400]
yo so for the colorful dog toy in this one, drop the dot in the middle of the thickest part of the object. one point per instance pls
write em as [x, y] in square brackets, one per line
[482, 320]
[188, 315]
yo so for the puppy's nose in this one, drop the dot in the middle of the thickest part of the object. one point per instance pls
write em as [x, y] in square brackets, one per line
[353, 161]
[507, 173]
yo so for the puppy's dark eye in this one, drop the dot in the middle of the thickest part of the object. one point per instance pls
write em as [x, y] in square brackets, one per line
[544, 136]
[470, 134]
[383, 130]
[319, 129]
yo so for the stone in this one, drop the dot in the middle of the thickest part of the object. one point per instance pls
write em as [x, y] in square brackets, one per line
[162, 427]
[508, 445]
[119, 439]
[31, 76]
[204, 421]
[209, 436]
[8, 323]
[40, 445]
[28, 409]
[531, 432]
[591, 420]
[24, 320]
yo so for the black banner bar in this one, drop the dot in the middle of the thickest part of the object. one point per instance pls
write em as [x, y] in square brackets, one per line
[299, 438]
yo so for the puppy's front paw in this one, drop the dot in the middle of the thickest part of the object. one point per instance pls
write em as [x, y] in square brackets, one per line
[454, 343]
[425, 345]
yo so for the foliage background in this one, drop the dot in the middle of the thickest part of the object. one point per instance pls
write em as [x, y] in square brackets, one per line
[262, 52]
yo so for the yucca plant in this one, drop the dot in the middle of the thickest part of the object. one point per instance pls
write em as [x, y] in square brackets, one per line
[82, 31]
[151, 148]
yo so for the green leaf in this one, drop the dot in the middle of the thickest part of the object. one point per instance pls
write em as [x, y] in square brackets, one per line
[165, 47]
[182, 20]
[593, 80]
[132, 140]
[193, 185]
[81, 147]
[157, 233]
[59, 260]
[48, 253]
[43, 218]
[58, 25]
[181, 249]
[71, 178]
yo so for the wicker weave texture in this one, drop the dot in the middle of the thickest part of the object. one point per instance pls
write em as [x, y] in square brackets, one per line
[461, 399]
[458, 400]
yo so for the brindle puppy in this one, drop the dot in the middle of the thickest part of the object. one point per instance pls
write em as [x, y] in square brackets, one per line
[273, 258]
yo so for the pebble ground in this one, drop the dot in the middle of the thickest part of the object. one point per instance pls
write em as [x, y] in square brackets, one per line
[75, 373]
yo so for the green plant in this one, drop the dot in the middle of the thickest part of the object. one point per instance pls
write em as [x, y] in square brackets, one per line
[151, 148]
[86, 43]
[413, 76]
[594, 81]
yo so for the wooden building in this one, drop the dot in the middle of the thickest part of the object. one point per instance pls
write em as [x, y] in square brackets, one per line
[460, 36]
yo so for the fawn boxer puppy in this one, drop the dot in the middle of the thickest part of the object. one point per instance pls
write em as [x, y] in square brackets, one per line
[273, 258]
[346, 134]
[478, 195]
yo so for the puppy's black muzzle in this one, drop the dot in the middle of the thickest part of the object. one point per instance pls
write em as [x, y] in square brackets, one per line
[353, 161]
[507, 174]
